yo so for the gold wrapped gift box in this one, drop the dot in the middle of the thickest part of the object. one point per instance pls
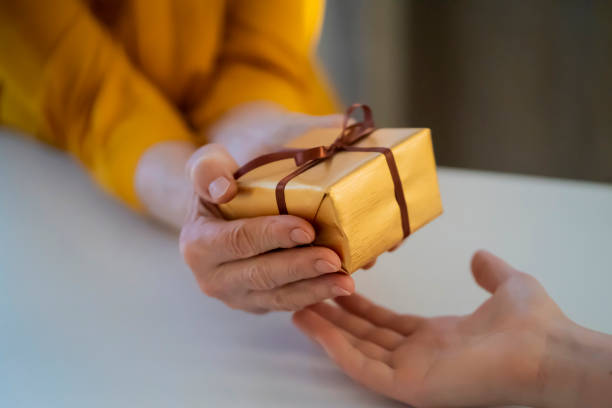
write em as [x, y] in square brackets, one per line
[349, 198]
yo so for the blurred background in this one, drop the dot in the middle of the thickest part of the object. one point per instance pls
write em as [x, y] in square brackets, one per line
[516, 86]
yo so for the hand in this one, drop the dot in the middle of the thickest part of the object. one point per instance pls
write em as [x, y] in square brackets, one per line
[235, 261]
[516, 348]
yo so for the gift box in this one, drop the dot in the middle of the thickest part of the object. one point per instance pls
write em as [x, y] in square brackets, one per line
[344, 184]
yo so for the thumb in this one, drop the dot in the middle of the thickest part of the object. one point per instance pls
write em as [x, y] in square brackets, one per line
[211, 170]
[490, 271]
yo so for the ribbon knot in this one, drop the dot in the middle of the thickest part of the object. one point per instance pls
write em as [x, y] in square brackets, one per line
[315, 153]
[310, 157]
[348, 136]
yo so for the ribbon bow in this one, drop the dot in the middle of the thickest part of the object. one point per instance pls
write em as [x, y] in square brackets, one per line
[349, 136]
[310, 157]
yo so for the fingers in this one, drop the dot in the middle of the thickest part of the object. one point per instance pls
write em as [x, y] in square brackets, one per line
[297, 295]
[269, 271]
[248, 237]
[359, 328]
[490, 271]
[373, 373]
[216, 242]
[379, 316]
[211, 170]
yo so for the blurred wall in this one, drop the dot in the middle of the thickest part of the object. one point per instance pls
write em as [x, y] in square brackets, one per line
[364, 48]
[521, 86]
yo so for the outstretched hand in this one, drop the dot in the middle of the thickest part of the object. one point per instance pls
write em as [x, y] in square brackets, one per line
[493, 356]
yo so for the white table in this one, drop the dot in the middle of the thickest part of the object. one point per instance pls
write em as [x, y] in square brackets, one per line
[98, 310]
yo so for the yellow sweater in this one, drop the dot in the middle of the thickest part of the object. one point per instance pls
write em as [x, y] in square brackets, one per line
[106, 79]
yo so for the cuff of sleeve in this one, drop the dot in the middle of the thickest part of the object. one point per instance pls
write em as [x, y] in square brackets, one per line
[241, 83]
[131, 138]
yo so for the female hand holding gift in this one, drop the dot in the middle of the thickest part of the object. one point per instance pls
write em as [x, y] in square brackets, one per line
[235, 261]
[140, 107]
[517, 348]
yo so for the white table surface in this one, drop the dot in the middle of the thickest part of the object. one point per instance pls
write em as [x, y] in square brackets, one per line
[98, 310]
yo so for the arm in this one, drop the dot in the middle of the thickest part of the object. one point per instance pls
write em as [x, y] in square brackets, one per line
[87, 98]
[80, 92]
[516, 348]
[267, 54]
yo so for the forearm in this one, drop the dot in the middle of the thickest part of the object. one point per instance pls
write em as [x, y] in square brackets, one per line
[162, 183]
[577, 368]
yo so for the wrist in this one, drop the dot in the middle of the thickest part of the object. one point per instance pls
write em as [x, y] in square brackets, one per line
[161, 182]
[576, 368]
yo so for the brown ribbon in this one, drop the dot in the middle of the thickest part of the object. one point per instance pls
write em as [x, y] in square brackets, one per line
[310, 157]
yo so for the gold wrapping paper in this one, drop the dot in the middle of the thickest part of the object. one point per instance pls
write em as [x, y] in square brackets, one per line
[349, 198]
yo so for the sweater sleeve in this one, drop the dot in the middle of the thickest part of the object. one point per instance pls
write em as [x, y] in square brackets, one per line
[79, 91]
[268, 54]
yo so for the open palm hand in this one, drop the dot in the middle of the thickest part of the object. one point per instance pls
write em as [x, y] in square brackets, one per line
[486, 358]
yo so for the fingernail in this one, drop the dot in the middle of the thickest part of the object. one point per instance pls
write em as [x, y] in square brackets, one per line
[300, 236]
[324, 266]
[338, 291]
[218, 187]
